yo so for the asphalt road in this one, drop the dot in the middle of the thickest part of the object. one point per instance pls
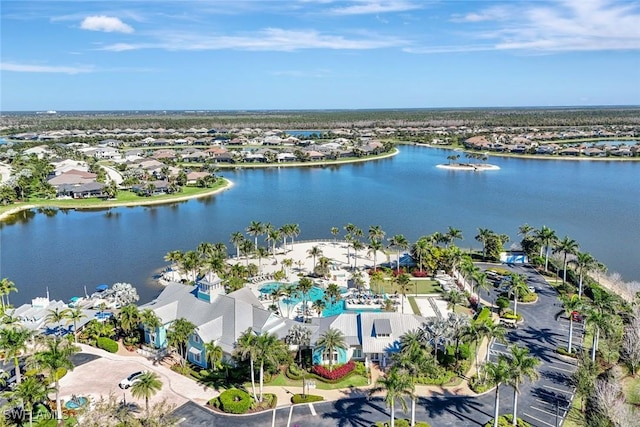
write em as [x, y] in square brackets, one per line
[543, 403]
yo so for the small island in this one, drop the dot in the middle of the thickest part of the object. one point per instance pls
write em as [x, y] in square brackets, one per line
[468, 166]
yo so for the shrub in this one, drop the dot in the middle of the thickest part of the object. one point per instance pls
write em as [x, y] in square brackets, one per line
[307, 398]
[235, 401]
[402, 422]
[108, 344]
[360, 369]
[563, 351]
[509, 315]
[479, 385]
[528, 297]
[337, 373]
[418, 273]
[483, 315]
[507, 421]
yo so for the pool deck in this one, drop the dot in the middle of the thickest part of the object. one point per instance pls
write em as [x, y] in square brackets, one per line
[341, 258]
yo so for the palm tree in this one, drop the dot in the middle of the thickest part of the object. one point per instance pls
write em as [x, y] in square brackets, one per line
[304, 286]
[236, 240]
[481, 281]
[150, 321]
[498, 373]
[323, 266]
[454, 298]
[585, 263]
[74, 315]
[29, 392]
[404, 283]
[517, 287]
[255, 229]
[213, 354]
[599, 320]
[13, 340]
[331, 341]
[246, 349]
[56, 315]
[335, 231]
[525, 229]
[247, 248]
[376, 233]
[6, 287]
[273, 236]
[453, 233]
[400, 243]
[483, 236]
[374, 246]
[420, 250]
[476, 331]
[261, 253]
[178, 336]
[268, 348]
[546, 237]
[356, 245]
[566, 246]
[397, 385]
[55, 357]
[294, 232]
[287, 263]
[314, 252]
[521, 367]
[147, 385]
[436, 331]
[412, 358]
[319, 305]
[570, 304]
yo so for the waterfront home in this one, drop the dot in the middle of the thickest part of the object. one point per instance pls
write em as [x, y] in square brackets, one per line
[218, 317]
[72, 176]
[370, 336]
[33, 316]
[81, 191]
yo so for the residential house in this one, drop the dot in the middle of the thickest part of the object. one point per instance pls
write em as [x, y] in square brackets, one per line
[81, 191]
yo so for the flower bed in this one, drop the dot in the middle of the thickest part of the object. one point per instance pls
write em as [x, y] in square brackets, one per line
[336, 374]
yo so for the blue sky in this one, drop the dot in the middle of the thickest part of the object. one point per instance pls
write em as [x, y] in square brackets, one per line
[317, 54]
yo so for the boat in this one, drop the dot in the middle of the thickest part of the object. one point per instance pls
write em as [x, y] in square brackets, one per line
[75, 302]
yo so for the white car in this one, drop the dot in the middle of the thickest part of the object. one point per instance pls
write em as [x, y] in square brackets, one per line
[131, 380]
[532, 289]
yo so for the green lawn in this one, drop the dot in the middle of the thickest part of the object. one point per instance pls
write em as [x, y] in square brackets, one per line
[418, 286]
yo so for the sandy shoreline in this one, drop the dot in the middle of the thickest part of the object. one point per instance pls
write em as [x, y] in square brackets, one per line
[114, 204]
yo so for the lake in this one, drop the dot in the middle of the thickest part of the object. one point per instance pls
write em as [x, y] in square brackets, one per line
[594, 202]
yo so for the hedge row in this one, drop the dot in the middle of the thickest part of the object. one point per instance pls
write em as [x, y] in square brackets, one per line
[336, 374]
[507, 421]
[108, 344]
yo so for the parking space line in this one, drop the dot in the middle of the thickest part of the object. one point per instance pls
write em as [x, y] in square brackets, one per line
[538, 419]
[313, 410]
[571, 371]
[559, 389]
[542, 410]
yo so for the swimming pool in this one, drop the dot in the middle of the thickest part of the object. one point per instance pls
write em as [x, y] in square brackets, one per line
[316, 293]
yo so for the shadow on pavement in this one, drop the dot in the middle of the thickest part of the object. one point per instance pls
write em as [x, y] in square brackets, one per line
[80, 359]
[464, 409]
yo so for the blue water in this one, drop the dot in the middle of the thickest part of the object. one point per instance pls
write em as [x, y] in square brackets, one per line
[304, 133]
[3, 141]
[73, 404]
[316, 293]
[597, 203]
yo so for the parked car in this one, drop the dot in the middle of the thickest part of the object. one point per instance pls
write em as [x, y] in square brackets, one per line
[532, 289]
[131, 380]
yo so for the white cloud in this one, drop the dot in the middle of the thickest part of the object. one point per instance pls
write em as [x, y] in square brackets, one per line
[108, 24]
[269, 39]
[496, 13]
[30, 68]
[365, 7]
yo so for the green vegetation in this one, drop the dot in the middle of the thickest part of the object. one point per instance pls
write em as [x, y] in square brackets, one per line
[234, 401]
[306, 398]
[108, 344]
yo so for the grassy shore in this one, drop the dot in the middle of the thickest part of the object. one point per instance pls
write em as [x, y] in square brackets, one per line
[124, 198]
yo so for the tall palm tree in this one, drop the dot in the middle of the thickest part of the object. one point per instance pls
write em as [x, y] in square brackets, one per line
[517, 287]
[213, 354]
[585, 263]
[304, 286]
[522, 366]
[356, 245]
[246, 349]
[74, 315]
[56, 316]
[454, 298]
[400, 243]
[13, 340]
[546, 237]
[314, 252]
[146, 386]
[396, 385]
[570, 304]
[150, 320]
[6, 287]
[331, 341]
[236, 240]
[255, 229]
[566, 246]
[376, 233]
[481, 281]
[294, 232]
[453, 233]
[483, 236]
[178, 336]
[374, 246]
[269, 349]
[525, 229]
[335, 231]
[29, 392]
[273, 236]
[476, 331]
[55, 357]
[261, 253]
[498, 373]
[319, 305]
[599, 320]
[247, 249]
[404, 284]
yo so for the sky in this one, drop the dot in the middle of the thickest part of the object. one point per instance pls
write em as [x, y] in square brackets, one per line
[317, 54]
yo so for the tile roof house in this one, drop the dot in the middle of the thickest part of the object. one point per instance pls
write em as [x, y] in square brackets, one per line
[218, 317]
